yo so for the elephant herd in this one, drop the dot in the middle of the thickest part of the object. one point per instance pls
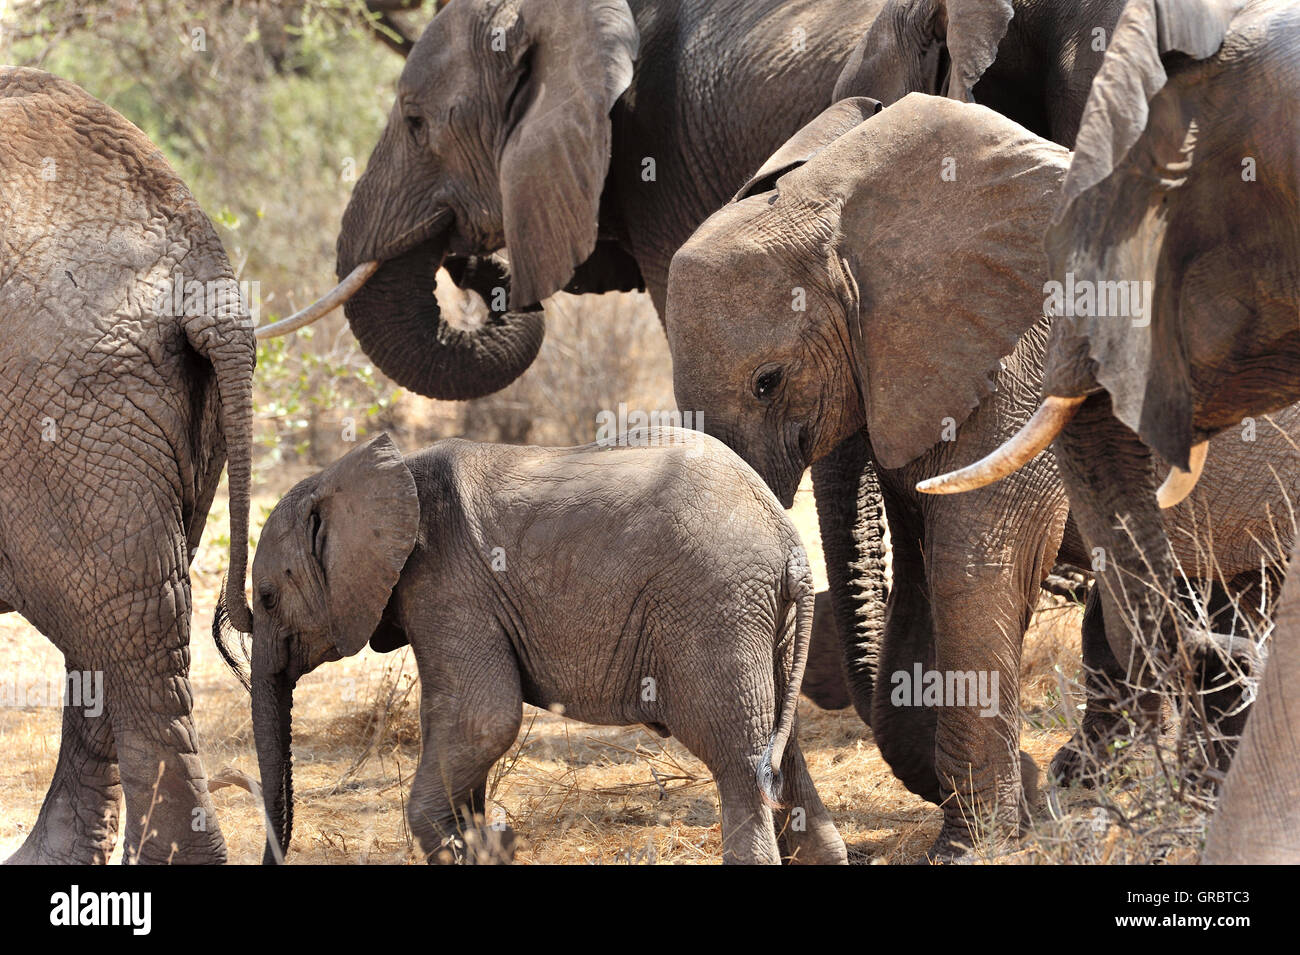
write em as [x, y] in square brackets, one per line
[1019, 280]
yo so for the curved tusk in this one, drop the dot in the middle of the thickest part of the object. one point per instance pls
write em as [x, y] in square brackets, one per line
[1021, 448]
[323, 306]
[1179, 483]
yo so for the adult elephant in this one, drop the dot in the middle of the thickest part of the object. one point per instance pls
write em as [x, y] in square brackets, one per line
[589, 138]
[125, 380]
[923, 330]
[1175, 186]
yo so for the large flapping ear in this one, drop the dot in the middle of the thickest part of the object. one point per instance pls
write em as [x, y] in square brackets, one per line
[365, 516]
[556, 154]
[943, 205]
[941, 47]
[826, 127]
[1135, 152]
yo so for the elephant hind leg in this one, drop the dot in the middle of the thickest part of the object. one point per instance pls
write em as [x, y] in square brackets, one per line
[171, 818]
[805, 831]
[77, 824]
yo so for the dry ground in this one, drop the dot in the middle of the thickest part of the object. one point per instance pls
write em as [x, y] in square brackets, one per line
[574, 793]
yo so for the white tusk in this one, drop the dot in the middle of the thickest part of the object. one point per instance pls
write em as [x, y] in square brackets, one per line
[1018, 450]
[1179, 483]
[323, 306]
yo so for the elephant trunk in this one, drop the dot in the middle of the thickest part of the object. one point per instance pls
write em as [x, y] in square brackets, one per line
[850, 513]
[399, 326]
[272, 719]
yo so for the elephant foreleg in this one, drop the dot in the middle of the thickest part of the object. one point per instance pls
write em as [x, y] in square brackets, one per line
[77, 824]
[1109, 696]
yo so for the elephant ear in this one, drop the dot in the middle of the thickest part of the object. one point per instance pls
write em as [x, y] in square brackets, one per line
[904, 50]
[946, 259]
[1131, 74]
[1135, 151]
[556, 152]
[365, 516]
[829, 125]
[974, 30]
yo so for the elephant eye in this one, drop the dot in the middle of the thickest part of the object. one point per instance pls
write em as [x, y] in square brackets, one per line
[268, 598]
[766, 384]
[415, 123]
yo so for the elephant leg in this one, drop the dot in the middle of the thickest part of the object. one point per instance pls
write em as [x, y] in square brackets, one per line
[850, 514]
[1108, 699]
[986, 554]
[471, 708]
[723, 708]
[1108, 474]
[1258, 819]
[805, 831]
[170, 815]
[77, 824]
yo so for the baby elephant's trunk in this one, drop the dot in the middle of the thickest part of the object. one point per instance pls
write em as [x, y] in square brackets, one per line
[798, 586]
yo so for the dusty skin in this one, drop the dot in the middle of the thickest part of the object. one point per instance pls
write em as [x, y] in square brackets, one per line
[574, 793]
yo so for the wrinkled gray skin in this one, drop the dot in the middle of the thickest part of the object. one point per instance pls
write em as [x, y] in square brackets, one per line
[919, 293]
[118, 420]
[660, 585]
[1030, 60]
[1224, 256]
[541, 148]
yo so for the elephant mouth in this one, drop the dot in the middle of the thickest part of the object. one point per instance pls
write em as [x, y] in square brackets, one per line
[784, 479]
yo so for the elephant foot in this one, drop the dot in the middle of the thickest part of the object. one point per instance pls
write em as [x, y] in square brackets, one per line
[1090, 755]
[953, 846]
[171, 819]
[478, 845]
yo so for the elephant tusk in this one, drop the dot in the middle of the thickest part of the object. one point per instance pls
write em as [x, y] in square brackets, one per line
[1021, 448]
[1179, 483]
[323, 306]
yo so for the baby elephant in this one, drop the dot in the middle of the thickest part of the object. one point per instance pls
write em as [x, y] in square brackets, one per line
[654, 582]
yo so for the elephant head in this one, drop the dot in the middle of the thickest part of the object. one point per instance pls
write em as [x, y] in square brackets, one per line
[1181, 197]
[499, 137]
[326, 564]
[941, 47]
[879, 284]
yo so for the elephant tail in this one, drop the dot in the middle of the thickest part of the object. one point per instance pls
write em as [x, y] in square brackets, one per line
[223, 334]
[798, 587]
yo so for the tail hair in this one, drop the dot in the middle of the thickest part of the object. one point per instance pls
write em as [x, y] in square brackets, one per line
[221, 631]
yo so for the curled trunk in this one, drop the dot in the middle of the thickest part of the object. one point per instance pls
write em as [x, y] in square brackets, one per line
[399, 326]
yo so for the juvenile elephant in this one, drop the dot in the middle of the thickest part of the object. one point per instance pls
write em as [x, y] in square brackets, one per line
[657, 583]
[126, 369]
[908, 306]
[1177, 190]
